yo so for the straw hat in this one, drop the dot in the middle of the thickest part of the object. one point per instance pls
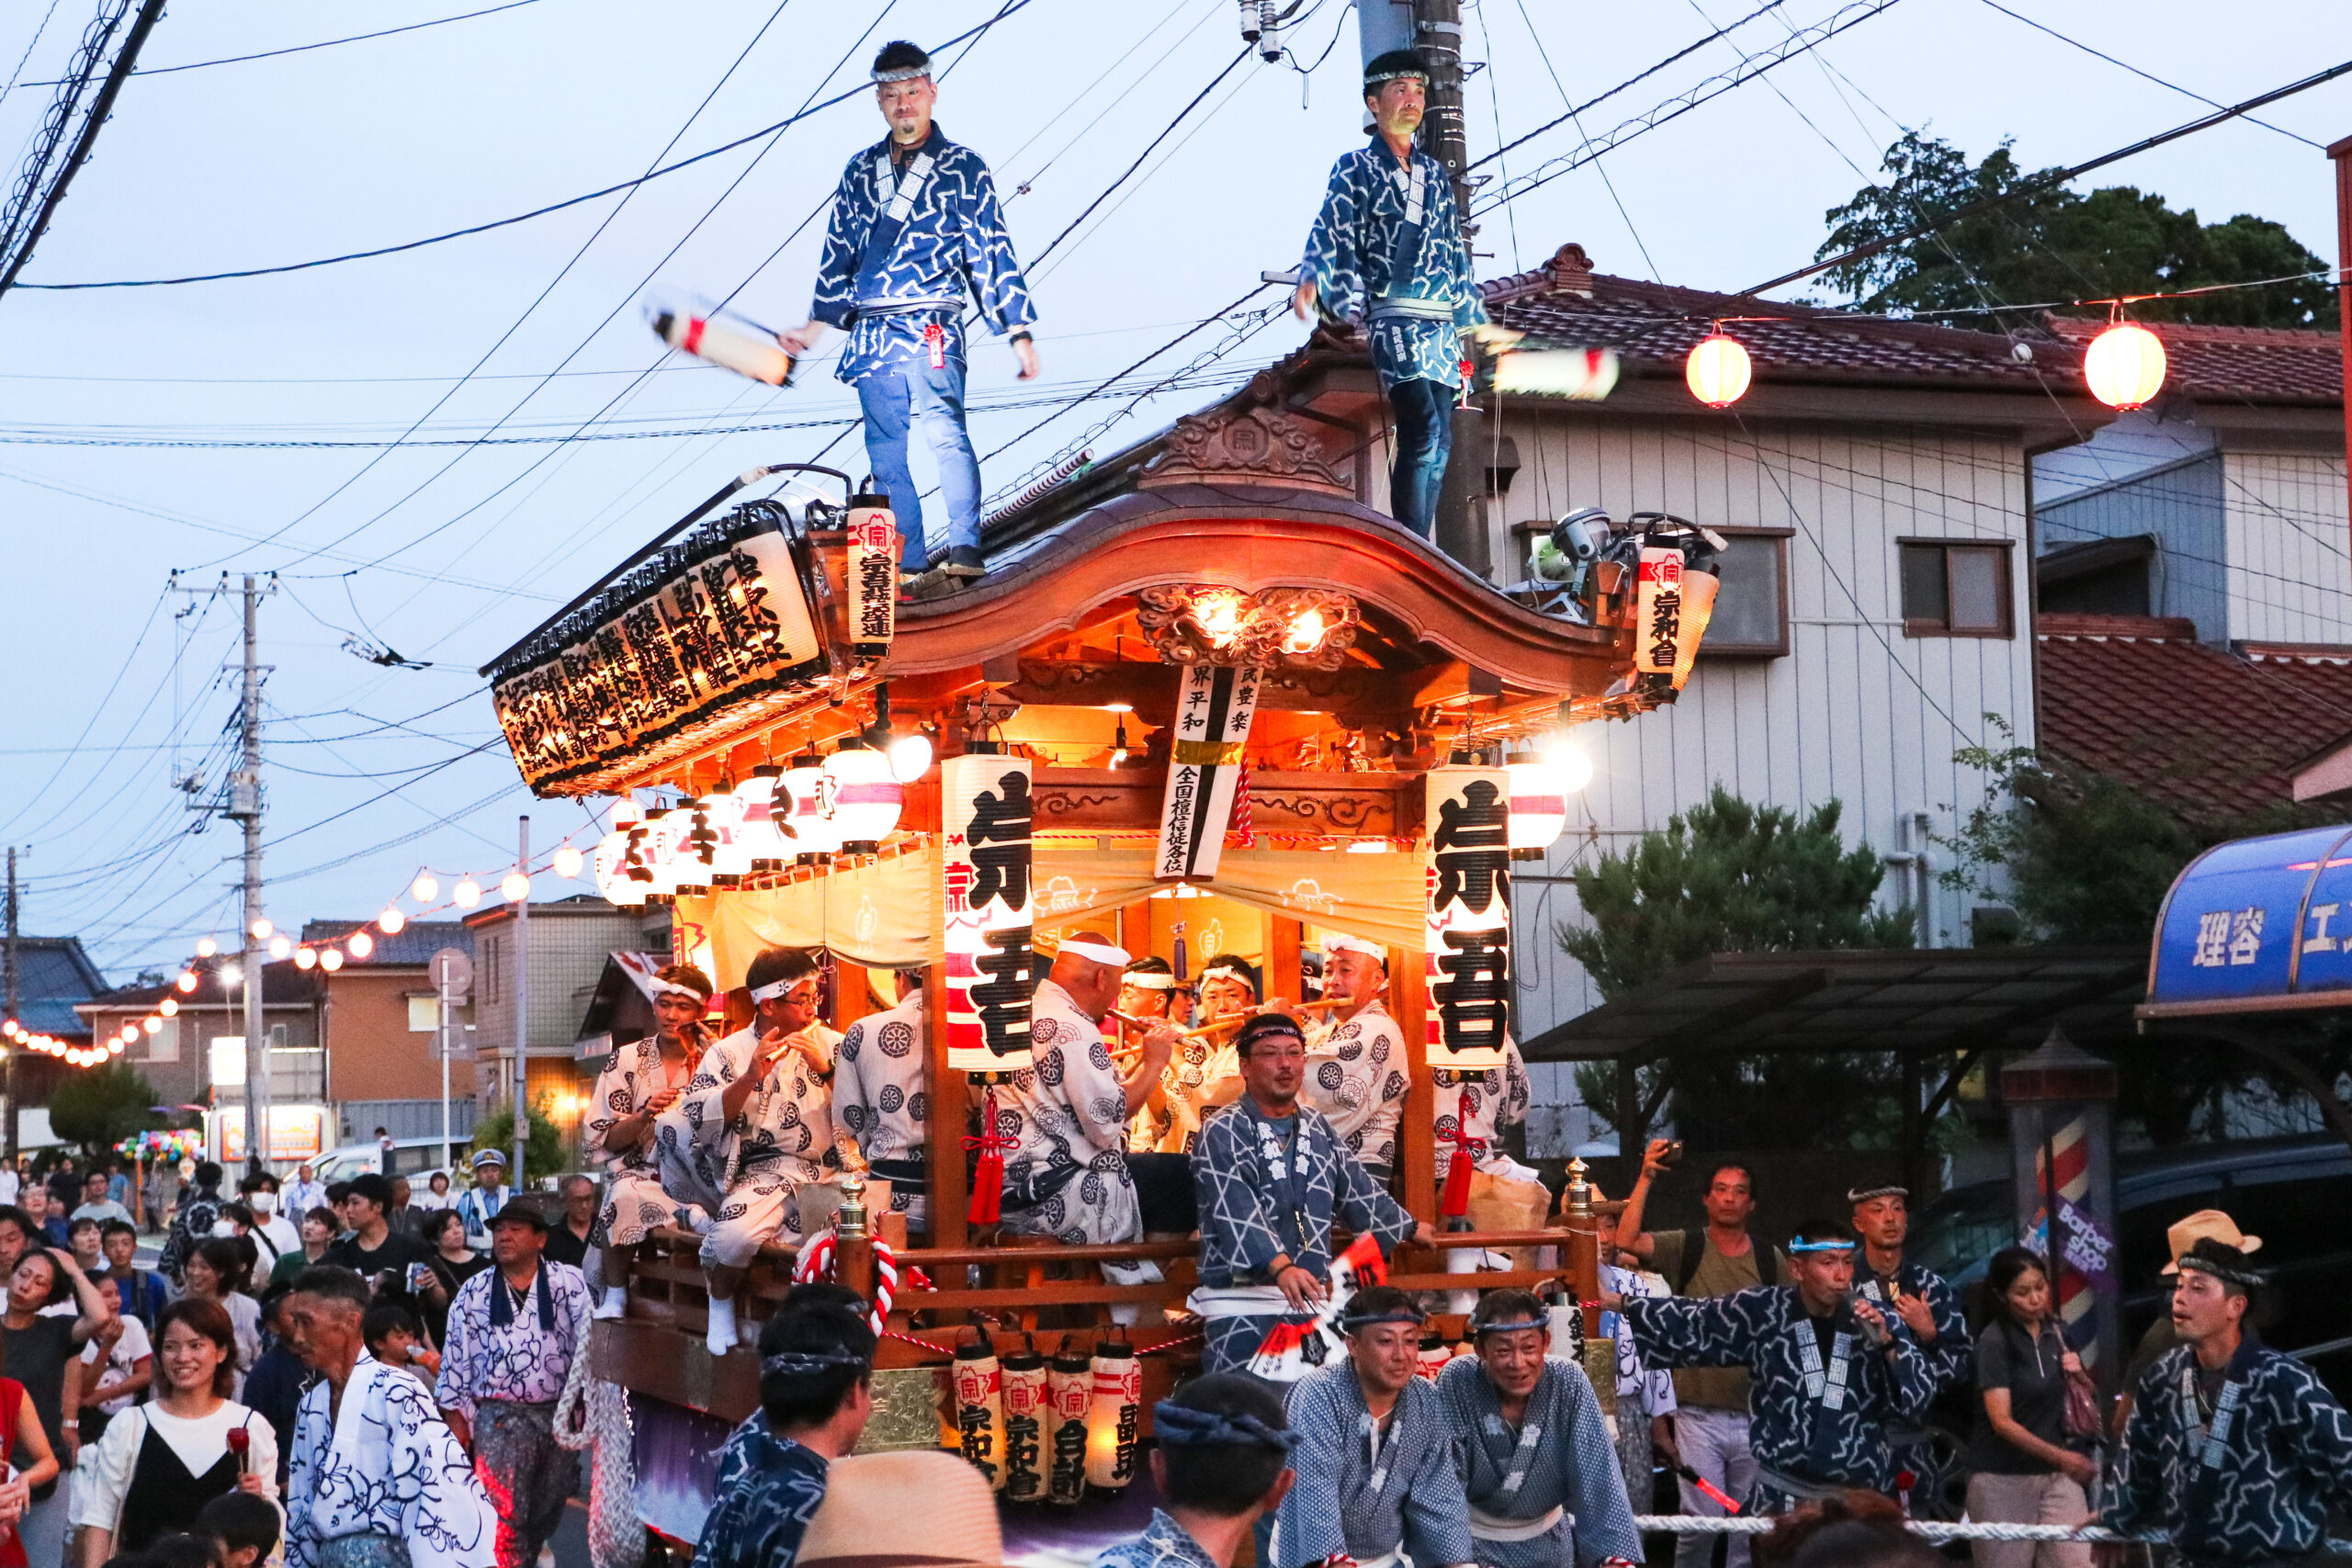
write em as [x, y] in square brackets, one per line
[865, 1520]
[2206, 1224]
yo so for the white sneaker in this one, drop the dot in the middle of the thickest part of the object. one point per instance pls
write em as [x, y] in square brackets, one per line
[615, 1304]
[720, 1336]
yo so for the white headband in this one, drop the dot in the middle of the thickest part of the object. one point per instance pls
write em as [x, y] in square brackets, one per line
[903, 73]
[1098, 951]
[671, 988]
[1342, 943]
[1225, 971]
[1149, 980]
[776, 988]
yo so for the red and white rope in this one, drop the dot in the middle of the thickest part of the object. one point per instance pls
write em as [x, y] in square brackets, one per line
[817, 1263]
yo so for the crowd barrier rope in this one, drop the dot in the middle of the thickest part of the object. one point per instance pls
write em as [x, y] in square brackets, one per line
[1936, 1530]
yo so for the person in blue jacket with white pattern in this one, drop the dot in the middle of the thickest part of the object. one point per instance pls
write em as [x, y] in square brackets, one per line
[1387, 253]
[915, 227]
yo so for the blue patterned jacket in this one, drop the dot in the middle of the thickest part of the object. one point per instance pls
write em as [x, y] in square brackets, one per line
[953, 241]
[2254, 1484]
[1351, 252]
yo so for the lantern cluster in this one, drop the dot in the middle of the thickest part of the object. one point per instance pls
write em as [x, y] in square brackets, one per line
[809, 812]
[90, 1056]
[358, 945]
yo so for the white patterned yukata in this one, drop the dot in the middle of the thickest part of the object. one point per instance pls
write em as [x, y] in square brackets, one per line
[503, 1368]
[1819, 1404]
[1356, 1077]
[385, 1464]
[1557, 1465]
[1643, 1393]
[1194, 1068]
[2251, 1480]
[634, 1200]
[1370, 1489]
[1495, 1099]
[782, 1139]
[1267, 1186]
[1067, 1175]
[880, 1094]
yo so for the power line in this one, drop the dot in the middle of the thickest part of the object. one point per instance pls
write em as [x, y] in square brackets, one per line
[25, 223]
[2040, 183]
[614, 189]
[323, 43]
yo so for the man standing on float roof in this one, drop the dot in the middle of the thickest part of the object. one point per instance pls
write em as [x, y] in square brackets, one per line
[915, 224]
[1387, 253]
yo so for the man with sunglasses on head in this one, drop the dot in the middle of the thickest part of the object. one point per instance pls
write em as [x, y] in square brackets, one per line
[759, 1118]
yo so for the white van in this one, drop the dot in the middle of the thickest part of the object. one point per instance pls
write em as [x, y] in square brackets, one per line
[416, 1158]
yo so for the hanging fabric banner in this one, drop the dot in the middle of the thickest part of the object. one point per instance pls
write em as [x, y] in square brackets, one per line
[985, 903]
[1213, 712]
[1468, 948]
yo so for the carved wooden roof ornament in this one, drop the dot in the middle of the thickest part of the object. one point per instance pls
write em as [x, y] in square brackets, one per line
[1244, 446]
[1294, 629]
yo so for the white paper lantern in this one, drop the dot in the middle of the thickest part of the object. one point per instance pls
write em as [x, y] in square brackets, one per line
[1539, 805]
[611, 871]
[360, 943]
[331, 960]
[467, 893]
[765, 806]
[1717, 371]
[865, 798]
[2124, 367]
[514, 887]
[306, 959]
[206, 947]
[814, 830]
[568, 861]
[393, 922]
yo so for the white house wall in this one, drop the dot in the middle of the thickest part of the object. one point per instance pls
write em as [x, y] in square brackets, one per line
[2288, 577]
[1856, 710]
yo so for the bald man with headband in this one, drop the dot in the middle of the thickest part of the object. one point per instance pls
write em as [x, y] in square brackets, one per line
[1355, 1060]
[1067, 1109]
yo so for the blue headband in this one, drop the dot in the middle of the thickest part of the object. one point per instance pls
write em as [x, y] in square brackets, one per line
[1830, 1244]
[803, 1363]
[1180, 1426]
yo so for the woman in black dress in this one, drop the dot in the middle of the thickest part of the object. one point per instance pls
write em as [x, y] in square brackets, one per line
[453, 1264]
[159, 1463]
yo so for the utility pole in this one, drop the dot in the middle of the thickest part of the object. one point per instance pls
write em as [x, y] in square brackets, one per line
[8, 976]
[1437, 33]
[245, 807]
[522, 1001]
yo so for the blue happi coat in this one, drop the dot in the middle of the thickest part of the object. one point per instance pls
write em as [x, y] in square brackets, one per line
[2254, 1483]
[767, 1491]
[1819, 1420]
[1952, 1357]
[953, 240]
[1560, 1456]
[1267, 1186]
[1414, 317]
[1365, 1489]
[1164, 1544]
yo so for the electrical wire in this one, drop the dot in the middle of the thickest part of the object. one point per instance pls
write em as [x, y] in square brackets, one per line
[306, 48]
[647, 178]
[1611, 186]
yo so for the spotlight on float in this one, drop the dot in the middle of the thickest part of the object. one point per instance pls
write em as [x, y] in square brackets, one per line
[1718, 370]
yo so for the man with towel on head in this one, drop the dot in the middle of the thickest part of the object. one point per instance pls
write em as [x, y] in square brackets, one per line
[881, 1093]
[639, 1082]
[1355, 1059]
[1170, 1122]
[1915, 1301]
[759, 1121]
[1378, 1470]
[1067, 1110]
[1221, 1458]
[1545, 1488]
[915, 224]
[1270, 1176]
[1826, 1376]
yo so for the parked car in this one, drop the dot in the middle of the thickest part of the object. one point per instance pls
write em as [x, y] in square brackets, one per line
[416, 1158]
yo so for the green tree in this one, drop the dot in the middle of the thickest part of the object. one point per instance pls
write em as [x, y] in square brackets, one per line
[101, 1106]
[2055, 245]
[544, 1155]
[1731, 877]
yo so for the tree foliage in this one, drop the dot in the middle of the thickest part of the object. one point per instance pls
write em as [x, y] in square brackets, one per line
[1731, 877]
[101, 1106]
[544, 1155]
[2055, 245]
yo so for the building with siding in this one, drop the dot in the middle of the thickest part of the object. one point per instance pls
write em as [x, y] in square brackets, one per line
[381, 1026]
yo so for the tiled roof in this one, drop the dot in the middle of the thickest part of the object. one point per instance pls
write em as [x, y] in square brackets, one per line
[413, 945]
[282, 981]
[53, 974]
[2212, 734]
[2262, 364]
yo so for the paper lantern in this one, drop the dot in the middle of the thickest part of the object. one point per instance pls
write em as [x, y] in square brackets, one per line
[1717, 371]
[765, 810]
[1699, 588]
[979, 1385]
[814, 832]
[393, 922]
[306, 959]
[515, 887]
[1468, 945]
[206, 947]
[656, 841]
[2124, 367]
[1070, 1386]
[151, 1025]
[568, 861]
[1539, 805]
[188, 981]
[1025, 1410]
[866, 797]
[331, 960]
[467, 893]
[610, 868]
[360, 943]
[169, 1007]
[280, 946]
[262, 929]
[424, 888]
[986, 893]
[1113, 1415]
[873, 575]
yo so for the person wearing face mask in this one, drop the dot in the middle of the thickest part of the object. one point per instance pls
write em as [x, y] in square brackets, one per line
[272, 1232]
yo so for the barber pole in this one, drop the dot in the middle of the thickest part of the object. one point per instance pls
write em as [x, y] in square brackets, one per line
[1468, 944]
[985, 894]
[874, 547]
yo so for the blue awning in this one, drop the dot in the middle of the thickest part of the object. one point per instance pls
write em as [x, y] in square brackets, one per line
[2257, 925]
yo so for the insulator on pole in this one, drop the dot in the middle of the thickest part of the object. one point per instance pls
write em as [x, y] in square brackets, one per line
[1249, 9]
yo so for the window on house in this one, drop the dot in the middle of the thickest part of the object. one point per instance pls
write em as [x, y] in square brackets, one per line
[494, 949]
[164, 1045]
[1951, 589]
[1751, 616]
[424, 1014]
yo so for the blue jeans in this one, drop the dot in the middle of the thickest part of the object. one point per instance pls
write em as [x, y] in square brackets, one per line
[895, 397]
[1424, 410]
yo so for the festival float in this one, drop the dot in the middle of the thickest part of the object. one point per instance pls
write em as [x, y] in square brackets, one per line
[1204, 700]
